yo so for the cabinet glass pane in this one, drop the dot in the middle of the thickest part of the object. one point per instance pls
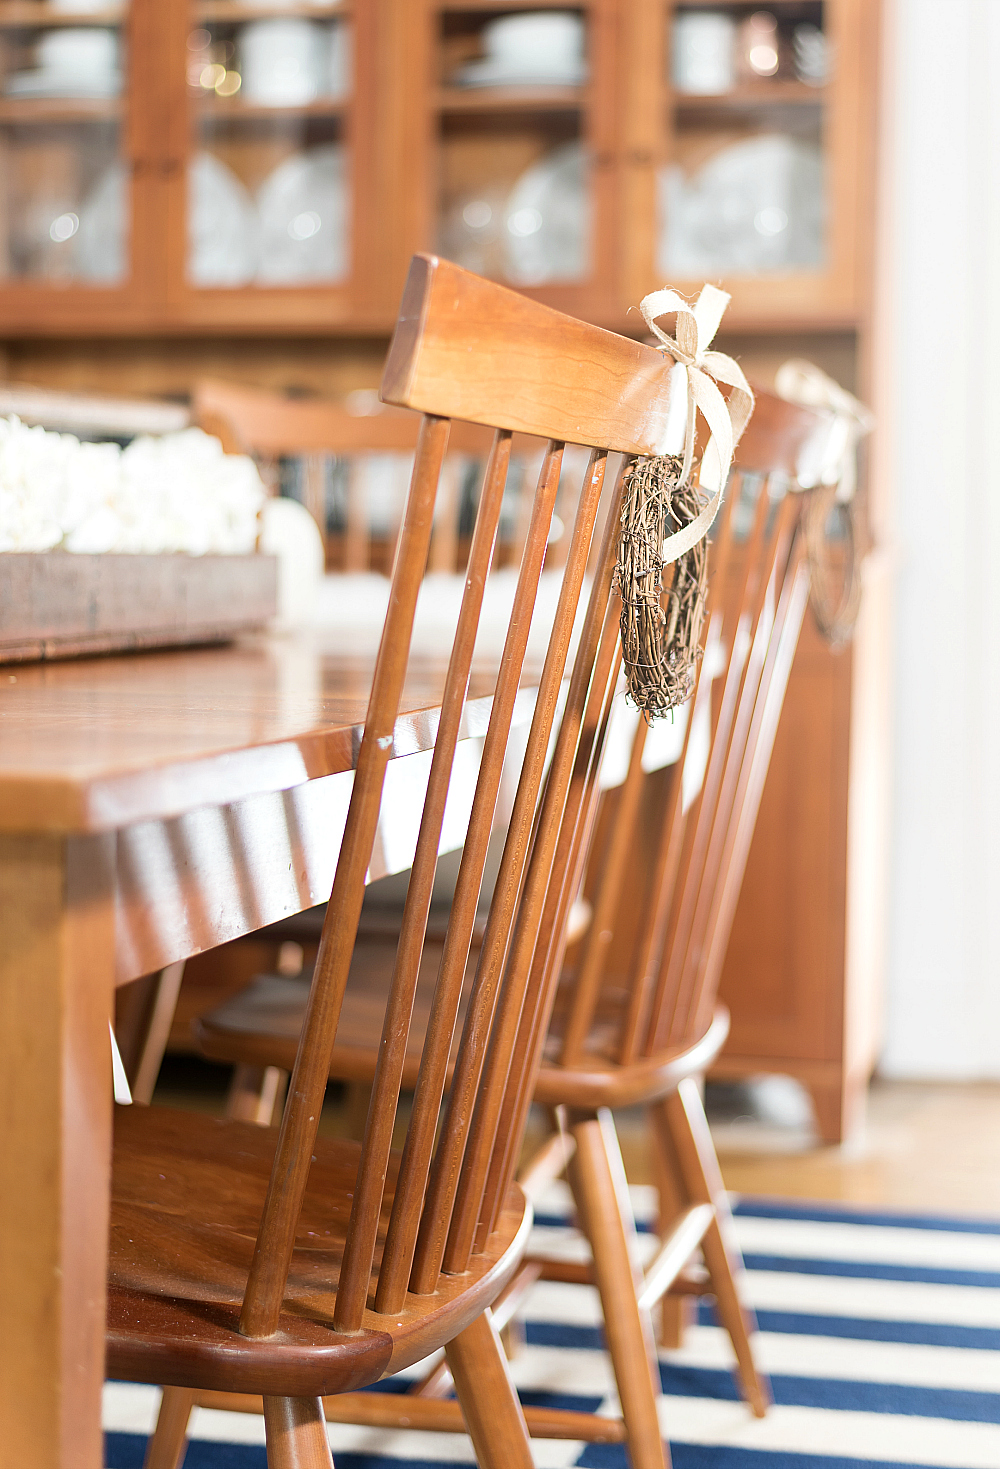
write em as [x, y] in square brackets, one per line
[64, 196]
[269, 180]
[745, 190]
[513, 178]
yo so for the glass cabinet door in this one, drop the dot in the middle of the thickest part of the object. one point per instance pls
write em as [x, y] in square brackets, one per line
[756, 186]
[521, 142]
[64, 182]
[269, 191]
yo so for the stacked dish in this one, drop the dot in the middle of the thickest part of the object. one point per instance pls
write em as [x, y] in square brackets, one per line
[756, 206]
[295, 230]
[75, 61]
[539, 232]
[534, 48]
[291, 61]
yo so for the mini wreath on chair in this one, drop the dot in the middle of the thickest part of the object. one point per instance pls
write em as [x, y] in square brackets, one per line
[665, 518]
[661, 644]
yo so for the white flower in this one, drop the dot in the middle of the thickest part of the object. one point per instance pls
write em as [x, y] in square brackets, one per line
[180, 493]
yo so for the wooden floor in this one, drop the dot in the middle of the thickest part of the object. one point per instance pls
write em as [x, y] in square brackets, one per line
[931, 1147]
[926, 1147]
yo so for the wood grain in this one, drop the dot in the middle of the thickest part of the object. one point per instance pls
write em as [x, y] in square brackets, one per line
[597, 1178]
[573, 383]
[104, 744]
[486, 1393]
[296, 1434]
[55, 1119]
[187, 1192]
[56, 605]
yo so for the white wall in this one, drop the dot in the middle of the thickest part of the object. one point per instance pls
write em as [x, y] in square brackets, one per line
[939, 355]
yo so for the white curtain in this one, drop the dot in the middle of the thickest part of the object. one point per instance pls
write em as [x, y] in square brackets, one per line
[938, 334]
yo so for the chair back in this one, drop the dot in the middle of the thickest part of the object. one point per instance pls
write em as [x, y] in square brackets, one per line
[470, 350]
[668, 857]
[352, 461]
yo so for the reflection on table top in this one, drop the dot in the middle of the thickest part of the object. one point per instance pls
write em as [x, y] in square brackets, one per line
[101, 743]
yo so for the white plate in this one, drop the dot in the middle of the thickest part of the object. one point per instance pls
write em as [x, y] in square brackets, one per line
[223, 229]
[304, 213]
[491, 73]
[547, 220]
[86, 7]
[754, 207]
[101, 243]
[58, 84]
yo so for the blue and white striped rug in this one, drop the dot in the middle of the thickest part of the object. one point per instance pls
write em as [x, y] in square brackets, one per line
[881, 1333]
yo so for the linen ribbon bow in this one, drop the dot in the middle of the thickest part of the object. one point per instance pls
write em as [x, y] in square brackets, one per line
[696, 326]
[835, 460]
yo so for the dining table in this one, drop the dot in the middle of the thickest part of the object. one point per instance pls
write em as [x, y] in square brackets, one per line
[152, 806]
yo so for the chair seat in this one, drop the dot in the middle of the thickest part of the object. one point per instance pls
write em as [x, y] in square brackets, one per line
[187, 1196]
[260, 1025]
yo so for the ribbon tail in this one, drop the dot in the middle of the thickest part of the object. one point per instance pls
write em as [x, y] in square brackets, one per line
[682, 541]
[718, 454]
[689, 429]
[741, 399]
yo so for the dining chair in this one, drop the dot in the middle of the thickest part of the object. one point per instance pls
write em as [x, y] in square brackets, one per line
[364, 435]
[271, 1261]
[634, 1019]
[155, 1013]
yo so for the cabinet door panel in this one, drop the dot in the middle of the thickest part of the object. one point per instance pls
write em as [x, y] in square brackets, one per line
[66, 159]
[273, 205]
[513, 133]
[783, 978]
[765, 114]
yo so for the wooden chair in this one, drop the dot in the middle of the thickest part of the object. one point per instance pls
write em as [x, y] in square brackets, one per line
[269, 1261]
[634, 1018]
[271, 426]
[156, 1012]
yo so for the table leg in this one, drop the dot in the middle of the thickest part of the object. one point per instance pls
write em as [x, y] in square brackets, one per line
[56, 975]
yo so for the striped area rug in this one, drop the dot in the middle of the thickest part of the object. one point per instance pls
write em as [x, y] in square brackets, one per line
[881, 1333]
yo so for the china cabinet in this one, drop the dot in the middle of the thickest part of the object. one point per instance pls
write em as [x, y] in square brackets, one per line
[205, 166]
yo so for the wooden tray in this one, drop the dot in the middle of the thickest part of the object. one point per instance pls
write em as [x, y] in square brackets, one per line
[56, 604]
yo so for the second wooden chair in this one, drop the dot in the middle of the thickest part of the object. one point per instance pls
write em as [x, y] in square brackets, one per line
[663, 877]
[270, 1261]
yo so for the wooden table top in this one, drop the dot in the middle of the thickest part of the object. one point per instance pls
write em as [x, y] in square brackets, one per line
[101, 743]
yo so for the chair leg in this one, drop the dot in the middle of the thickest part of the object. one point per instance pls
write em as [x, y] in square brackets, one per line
[295, 1430]
[256, 1093]
[674, 1314]
[597, 1177]
[168, 1440]
[687, 1128]
[490, 1405]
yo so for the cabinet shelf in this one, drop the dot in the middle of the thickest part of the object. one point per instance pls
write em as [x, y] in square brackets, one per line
[458, 7]
[510, 99]
[751, 97]
[36, 110]
[216, 110]
[37, 15]
[781, 6]
[236, 11]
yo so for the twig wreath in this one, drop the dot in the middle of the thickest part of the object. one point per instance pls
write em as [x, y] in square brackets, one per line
[665, 518]
[660, 644]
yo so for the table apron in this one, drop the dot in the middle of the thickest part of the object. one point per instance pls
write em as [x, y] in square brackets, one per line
[185, 884]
